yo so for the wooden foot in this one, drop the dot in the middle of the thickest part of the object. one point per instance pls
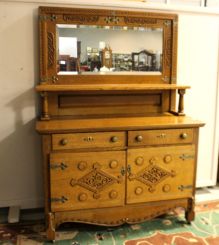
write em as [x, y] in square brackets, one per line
[190, 216]
[50, 232]
[190, 213]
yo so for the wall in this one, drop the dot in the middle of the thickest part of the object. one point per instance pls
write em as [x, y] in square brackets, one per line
[20, 172]
[198, 67]
[20, 156]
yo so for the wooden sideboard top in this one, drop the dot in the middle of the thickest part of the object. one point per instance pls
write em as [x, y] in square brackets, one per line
[107, 87]
[122, 123]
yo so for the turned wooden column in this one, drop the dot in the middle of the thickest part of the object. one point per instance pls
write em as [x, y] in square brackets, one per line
[181, 93]
[45, 106]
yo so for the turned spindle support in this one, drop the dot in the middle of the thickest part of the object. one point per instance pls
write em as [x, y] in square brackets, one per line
[45, 106]
[181, 93]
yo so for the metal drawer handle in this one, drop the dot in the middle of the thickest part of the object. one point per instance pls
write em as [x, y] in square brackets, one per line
[139, 138]
[63, 141]
[114, 139]
[184, 136]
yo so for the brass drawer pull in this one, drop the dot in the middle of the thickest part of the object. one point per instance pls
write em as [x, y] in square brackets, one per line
[184, 136]
[114, 139]
[139, 138]
[63, 141]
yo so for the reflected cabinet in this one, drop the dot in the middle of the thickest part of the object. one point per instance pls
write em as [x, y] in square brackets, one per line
[116, 142]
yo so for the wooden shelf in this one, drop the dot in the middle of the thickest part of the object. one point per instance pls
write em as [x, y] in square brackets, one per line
[107, 87]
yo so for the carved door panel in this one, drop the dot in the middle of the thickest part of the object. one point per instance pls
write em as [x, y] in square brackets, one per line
[160, 173]
[87, 180]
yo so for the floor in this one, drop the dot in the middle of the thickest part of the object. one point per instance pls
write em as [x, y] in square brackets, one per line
[207, 194]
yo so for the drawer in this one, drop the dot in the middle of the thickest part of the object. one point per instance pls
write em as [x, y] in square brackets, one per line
[87, 180]
[160, 137]
[88, 140]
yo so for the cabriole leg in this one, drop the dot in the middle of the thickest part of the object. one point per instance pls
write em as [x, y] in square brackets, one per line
[50, 232]
[190, 213]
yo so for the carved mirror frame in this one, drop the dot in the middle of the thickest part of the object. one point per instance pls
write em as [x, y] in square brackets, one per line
[49, 17]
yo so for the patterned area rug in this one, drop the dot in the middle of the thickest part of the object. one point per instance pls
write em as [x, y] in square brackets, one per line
[170, 229]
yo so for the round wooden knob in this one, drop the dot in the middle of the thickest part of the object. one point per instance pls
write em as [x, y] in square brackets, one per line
[82, 197]
[167, 158]
[138, 190]
[96, 195]
[96, 165]
[139, 161]
[166, 188]
[113, 164]
[184, 136]
[153, 160]
[139, 138]
[113, 194]
[63, 141]
[114, 139]
[82, 166]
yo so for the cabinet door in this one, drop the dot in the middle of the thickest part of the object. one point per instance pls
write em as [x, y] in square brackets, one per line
[160, 173]
[87, 180]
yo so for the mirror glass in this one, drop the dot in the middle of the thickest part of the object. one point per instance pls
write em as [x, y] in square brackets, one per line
[91, 49]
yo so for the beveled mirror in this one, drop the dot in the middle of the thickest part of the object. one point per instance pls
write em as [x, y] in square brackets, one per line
[105, 46]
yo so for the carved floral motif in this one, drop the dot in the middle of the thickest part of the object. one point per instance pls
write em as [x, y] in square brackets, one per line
[51, 49]
[80, 18]
[112, 19]
[95, 181]
[151, 176]
[138, 20]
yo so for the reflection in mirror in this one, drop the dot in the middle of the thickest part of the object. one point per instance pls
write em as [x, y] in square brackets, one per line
[87, 49]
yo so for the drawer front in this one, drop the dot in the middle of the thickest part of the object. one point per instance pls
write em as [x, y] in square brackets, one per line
[88, 140]
[160, 173]
[87, 180]
[160, 137]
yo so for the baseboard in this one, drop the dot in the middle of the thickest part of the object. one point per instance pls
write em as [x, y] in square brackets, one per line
[23, 203]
